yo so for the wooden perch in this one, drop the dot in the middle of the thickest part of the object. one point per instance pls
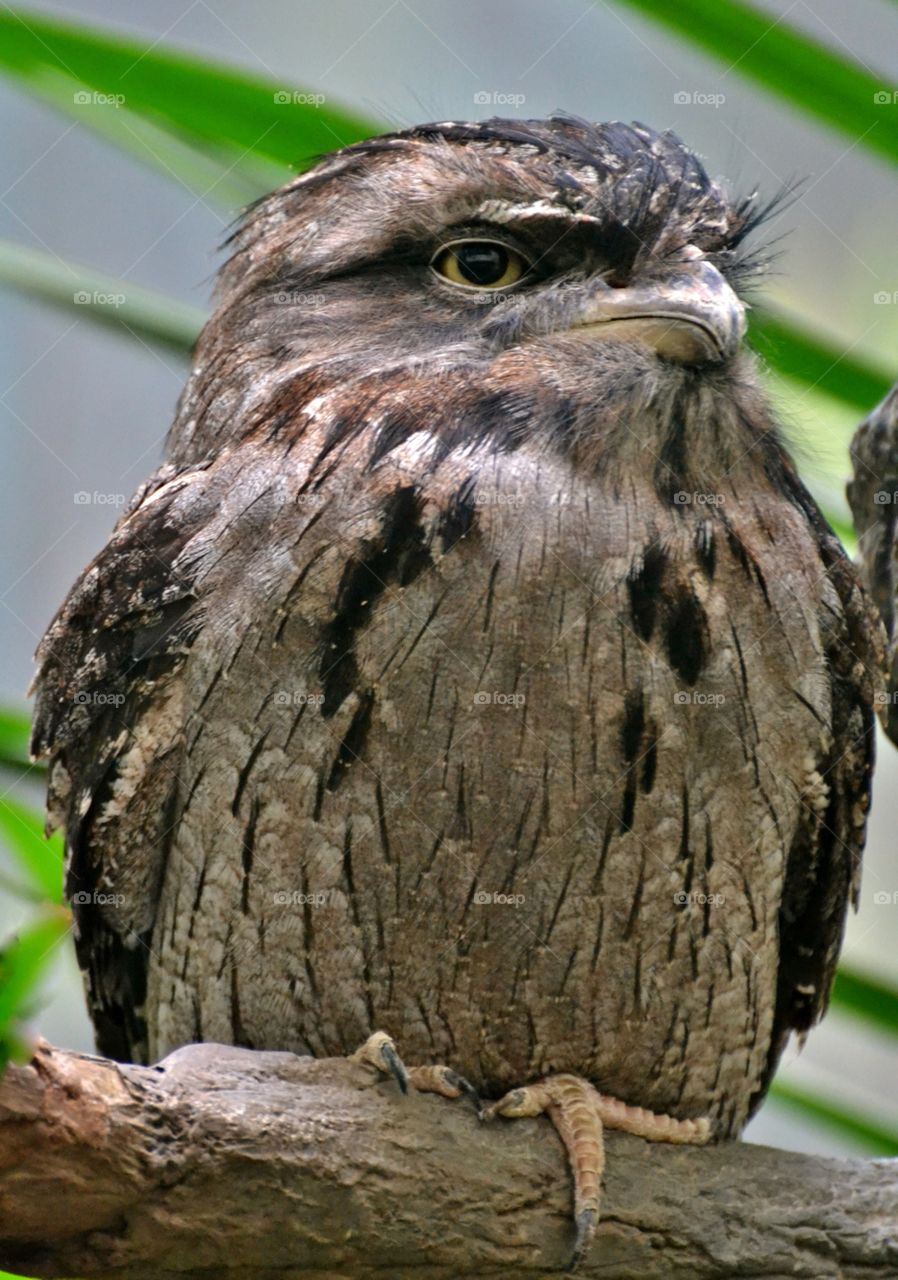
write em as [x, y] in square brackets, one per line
[225, 1162]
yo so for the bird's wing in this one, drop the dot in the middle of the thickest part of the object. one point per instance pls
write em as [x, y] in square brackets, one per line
[107, 718]
[824, 863]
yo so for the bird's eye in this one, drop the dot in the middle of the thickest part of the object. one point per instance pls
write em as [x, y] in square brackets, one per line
[480, 264]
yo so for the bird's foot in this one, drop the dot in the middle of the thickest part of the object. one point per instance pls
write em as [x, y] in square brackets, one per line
[580, 1114]
[379, 1051]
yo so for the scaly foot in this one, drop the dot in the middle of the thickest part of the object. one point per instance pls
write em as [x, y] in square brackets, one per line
[379, 1051]
[580, 1113]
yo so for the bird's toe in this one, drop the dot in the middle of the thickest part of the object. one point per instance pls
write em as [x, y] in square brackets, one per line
[379, 1051]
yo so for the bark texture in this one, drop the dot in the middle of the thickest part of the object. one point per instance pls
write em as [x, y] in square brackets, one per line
[228, 1162]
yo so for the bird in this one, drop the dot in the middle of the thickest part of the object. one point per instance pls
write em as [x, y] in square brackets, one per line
[475, 684]
[872, 494]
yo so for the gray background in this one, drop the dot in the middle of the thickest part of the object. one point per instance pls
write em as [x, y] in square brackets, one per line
[84, 410]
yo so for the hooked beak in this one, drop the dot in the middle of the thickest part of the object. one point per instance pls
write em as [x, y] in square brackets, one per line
[691, 315]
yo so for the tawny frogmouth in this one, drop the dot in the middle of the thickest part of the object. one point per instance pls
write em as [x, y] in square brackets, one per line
[476, 669]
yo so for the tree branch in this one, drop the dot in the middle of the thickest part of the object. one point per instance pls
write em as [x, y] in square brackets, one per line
[229, 1162]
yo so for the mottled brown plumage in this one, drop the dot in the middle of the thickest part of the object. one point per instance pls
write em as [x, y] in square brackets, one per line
[479, 667]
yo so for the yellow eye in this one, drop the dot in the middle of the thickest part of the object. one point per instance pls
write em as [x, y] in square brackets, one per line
[480, 264]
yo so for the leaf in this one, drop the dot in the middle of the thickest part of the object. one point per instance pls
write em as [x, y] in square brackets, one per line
[219, 172]
[877, 1139]
[39, 858]
[201, 102]
[104, 299]
[867, 998]
[794, 352]
[22, 964]
[15, 730]
[808, 75]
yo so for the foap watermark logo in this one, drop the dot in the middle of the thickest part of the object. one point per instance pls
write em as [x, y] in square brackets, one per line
[698, 98]
[96, 298]
[694, 897]
[496, 498]
[96, 698]
[886, 897]
[885, 497]
[885, 297]
[289, 298]
[683, 499]
[693, 698]
[883, 699]
[495, 698]
[498, 98]
[493, 298]
[494, 899]
[301, 897]
[85, 98]
[96, 499]
[297, 698]
[294, 98]
[885, 97]
[97, 899]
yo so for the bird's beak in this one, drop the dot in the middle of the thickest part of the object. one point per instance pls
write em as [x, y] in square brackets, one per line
[689, 315]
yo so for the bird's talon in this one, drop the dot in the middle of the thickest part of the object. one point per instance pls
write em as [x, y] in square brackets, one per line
[490, 1112]
[396, 1066]
[455, 1081]
[585, 1222]
[379, 1051]
[513, 1105]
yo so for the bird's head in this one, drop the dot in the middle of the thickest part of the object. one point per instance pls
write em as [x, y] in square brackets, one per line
[595, 262]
